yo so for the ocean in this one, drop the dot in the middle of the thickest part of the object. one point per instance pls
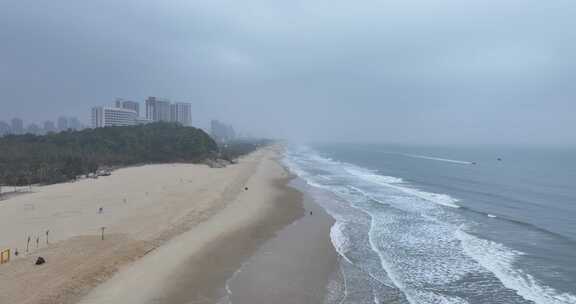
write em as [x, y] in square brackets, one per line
[418, 224]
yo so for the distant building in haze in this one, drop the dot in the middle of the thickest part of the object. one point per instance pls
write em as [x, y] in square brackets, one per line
[181, 112]
[222, 132]
[33, 129]
[5, 128]
[74, 123]
[127, 104]
[142, 120]
[17, 126]
[49, 127]
[62, 123]
[157, 109]
[111, 117]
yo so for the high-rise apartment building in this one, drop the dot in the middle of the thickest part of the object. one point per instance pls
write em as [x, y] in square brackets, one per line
[17, 126]
[181, 112]
[157, 109]
[127, 104]
[110, 117]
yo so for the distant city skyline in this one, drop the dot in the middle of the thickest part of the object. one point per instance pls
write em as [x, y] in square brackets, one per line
[201, 118]
[127, 112]
[151, 109]
[18, 126]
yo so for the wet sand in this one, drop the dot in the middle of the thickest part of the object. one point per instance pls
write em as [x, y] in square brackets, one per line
[202, 277]
[294, 267]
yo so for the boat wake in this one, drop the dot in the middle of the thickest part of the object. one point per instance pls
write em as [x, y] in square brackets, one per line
[446, 160]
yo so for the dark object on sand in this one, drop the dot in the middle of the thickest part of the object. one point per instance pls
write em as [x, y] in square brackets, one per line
[246, 188]
[40, 261]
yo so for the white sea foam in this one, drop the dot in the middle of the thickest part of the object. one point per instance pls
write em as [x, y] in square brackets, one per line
[340, 240]
[365, 175]
[227, 298]
[372, 176]
[408, 279]
[355, 184]
[491, 215]
[447, 160]
[397, 183]
[499, 260]
[441, 199]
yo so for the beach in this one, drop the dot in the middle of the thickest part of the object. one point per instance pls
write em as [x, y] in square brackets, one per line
[173, 233]
[295, 266]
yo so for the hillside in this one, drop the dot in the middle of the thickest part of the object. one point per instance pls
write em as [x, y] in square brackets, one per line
[31, 159]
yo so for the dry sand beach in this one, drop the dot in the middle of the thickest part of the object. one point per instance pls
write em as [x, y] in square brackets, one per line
[174, 233]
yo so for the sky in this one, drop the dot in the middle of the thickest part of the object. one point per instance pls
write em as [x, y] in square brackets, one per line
[405, 71]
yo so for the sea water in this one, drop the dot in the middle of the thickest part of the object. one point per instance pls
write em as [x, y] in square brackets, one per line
[446, 224]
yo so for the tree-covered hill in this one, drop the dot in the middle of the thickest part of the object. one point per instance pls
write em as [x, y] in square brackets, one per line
[31, 159]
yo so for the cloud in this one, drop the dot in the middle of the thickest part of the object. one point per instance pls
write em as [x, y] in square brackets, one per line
[315, 69]
[496, 60]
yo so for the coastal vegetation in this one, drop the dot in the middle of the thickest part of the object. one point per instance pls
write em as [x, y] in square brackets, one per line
[58, 157]
[236, 148]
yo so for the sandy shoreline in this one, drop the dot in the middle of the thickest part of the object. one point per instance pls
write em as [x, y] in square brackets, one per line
[295, 266]
[143, 207]
[194, 266]
[174, 233]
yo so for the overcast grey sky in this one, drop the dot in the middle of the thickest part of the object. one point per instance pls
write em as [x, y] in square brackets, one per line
[419, 71]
